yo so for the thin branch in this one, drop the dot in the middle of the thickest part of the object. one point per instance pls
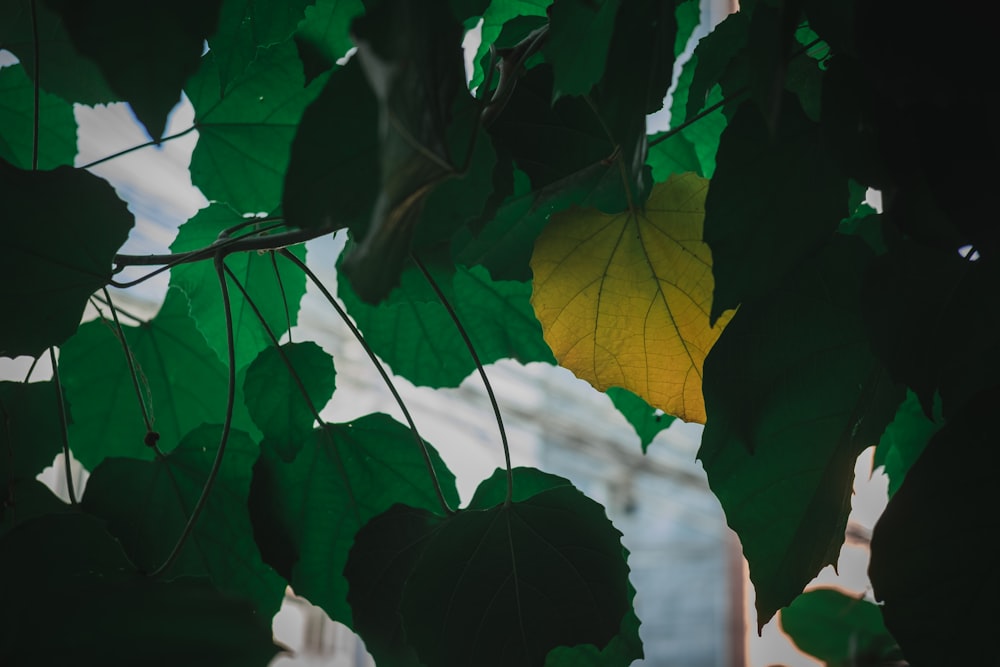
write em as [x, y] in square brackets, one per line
[31, 368]
[132, 316]
[482, 373]
[151, 435]
[385, 376]
[226, 425]
[64, 422]
[138, 147]
[284, 296]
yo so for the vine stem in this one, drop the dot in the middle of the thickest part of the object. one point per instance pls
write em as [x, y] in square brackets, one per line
[385, 376]
[151, 435]
[132, 149]
[482, 373]
[206, 490]
[64, 432]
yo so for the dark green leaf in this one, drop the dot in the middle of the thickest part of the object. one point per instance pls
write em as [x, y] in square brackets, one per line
[414, 334]
[904, 440]
[840, 630]
[246, 27]
[925, 316]
[147, 504]
[527, 482]
[332, 178]
[323, 35]
[276, 287]
[65, 72]
[306, 513]
[645, 419]
[577, 44]
[935, 542]
[519, 580]
[25, 500]
[623, 649]
[775, 199]
[77, 599]
[793, 396]
[248, 126]
[56, 124]
[712, 57]
[494, 18]
[182, 380]
[61, 231]
[274, 397]
[146, 51]
[30, 429]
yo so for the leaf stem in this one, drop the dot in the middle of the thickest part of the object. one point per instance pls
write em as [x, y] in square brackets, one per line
[220, 267]
[385, 376]
[151, 435]
[64, 432]
[284, 296]
[482, 373]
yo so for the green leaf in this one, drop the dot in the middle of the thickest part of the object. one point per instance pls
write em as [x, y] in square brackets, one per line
[925, 316]
[775, 199]
[323, 35]
[30, 430]
[65, 72]
[275, 286]
[148, 503]
[62, 229]
[414, 334]
[494, 18]
[904, 440]
[248, 126]
[937, 602]
[146, 51]
[26, 500]
[413, 59]
[519, 580]
[644, 418]
[306, 512]
[333, 178]
[793, 396]
[838, 629]
[580, 33]
[74, 583]
[182, 380]
[273, 395]
[712, 57]
[527, 483]
[246, 27]
[56, 124]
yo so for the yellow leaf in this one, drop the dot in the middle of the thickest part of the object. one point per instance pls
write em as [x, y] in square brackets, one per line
[624, 298]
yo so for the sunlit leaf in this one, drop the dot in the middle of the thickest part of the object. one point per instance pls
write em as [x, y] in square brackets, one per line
[935, 541]
[776, 197]
[274, 285]
[273, 395]
[644, 418]
[323, 35]
[148, 503]
[62, 229]
[794, 395]
[839, 629]
[624, 299]
[146, 51]
[305, 513]
[518, 581]
[30, 430]
[904, 440]
[56, 124]
[75, 583]
[182, 380]
[248, 127]
[66, 72]
[577, 44]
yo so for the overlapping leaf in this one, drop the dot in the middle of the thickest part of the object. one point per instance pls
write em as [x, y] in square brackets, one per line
[31, 433]
[644, 418]
[148, 503]
[794, 395]
[56, 125]
[65, 226]
[305, 513]
[624, 299]
[323, 34]
[577, 44]
[904, 440]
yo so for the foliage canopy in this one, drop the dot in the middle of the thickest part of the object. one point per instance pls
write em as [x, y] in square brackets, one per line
[725, 271]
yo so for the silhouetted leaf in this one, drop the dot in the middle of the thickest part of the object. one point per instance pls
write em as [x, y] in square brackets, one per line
[794, 395]
[62, 229]
[74, 583]
[30, 429]
[935, 541]
[577, 44]
[148, 503]
[274, 398]
[146, 51]
[306, 512]
[323, 35]
[495, 17]
[276, 287]
[27, 499]
[56, 125]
